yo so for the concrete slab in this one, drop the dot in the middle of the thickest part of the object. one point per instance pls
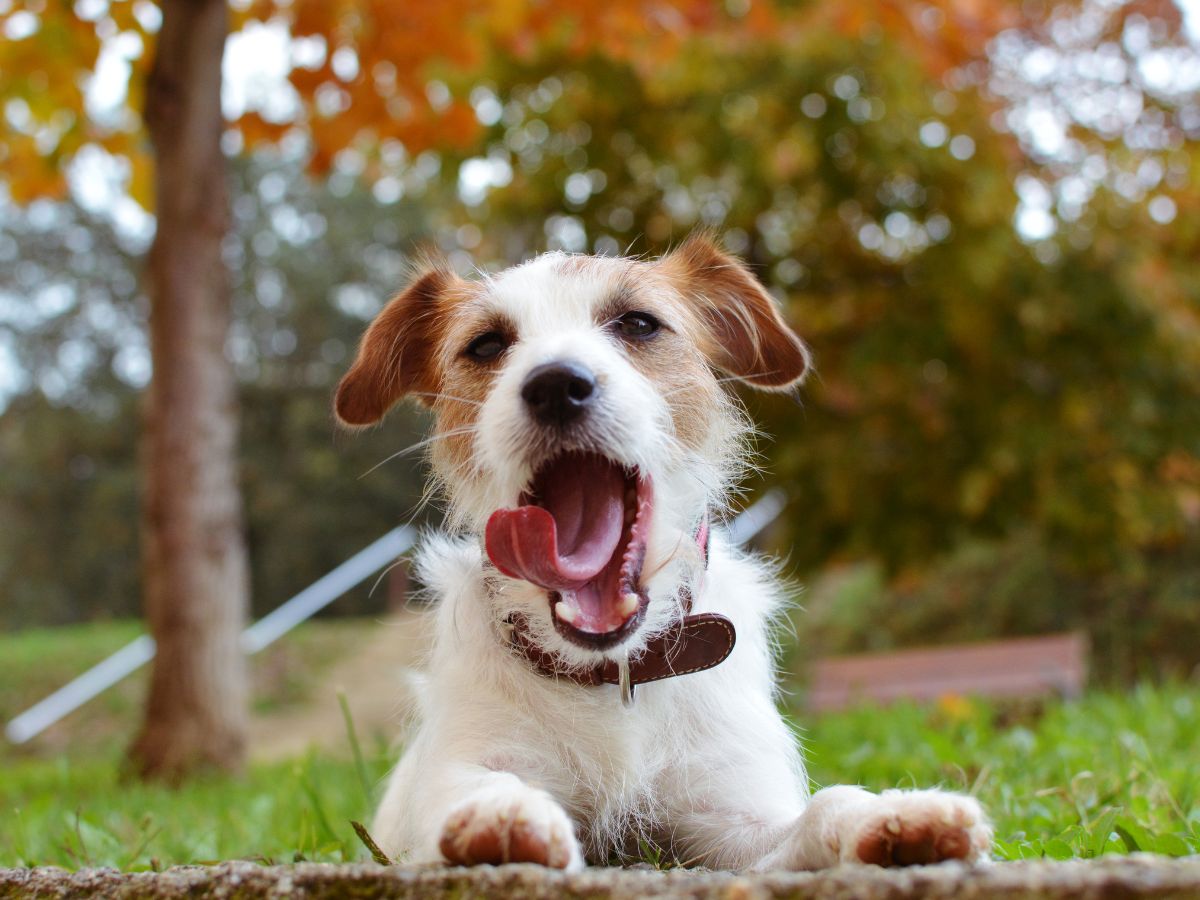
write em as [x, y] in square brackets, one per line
[1136, 876]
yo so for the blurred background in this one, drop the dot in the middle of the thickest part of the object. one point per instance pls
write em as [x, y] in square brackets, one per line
[983, 217]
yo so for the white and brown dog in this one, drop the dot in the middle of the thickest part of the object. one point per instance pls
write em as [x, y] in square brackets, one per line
[582, 439]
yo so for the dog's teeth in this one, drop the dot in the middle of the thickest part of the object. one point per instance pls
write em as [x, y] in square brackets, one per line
[629, 604]
[566, 612]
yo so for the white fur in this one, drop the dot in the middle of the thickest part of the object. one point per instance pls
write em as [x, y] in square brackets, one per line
[703, 764]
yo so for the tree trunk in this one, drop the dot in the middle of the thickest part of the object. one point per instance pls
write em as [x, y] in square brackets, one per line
[194, 568]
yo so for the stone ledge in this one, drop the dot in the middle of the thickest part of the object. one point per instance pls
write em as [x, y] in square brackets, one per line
[1110, 878]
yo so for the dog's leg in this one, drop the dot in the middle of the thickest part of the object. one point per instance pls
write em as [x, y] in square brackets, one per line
[744, 807]
[896, 828]
[467, 814]
[739, 792]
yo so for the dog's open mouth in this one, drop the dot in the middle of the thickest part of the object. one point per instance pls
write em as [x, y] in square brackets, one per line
[581, 534]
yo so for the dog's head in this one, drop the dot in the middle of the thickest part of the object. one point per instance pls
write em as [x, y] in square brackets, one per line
[580, 420]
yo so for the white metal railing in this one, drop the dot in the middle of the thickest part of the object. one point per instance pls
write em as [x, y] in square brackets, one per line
[755, 517]
[284, 618]
[74, 694]
[262, 633]
[328, 588]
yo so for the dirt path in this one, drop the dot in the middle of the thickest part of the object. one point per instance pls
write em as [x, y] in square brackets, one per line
[373, 681]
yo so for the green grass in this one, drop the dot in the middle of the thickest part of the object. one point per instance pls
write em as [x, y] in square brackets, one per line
[77, 813]
[65, 801]
[37, 661]
[1110, 773]
[1107, 774]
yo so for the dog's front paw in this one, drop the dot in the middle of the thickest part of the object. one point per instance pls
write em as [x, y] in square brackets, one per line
[907, 828]
[510, 823]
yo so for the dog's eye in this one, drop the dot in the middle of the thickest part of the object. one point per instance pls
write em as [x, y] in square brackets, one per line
[637, 325]
[487, 347]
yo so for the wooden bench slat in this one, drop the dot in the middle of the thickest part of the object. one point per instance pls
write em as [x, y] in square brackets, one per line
[1013, 668]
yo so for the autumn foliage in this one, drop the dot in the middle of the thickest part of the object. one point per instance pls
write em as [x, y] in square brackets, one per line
[984, 218]
[384, 71]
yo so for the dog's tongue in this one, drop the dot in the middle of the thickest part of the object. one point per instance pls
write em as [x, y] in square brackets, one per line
[565, 541]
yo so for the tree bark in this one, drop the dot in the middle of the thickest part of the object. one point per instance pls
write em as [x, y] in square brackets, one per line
[195, 580]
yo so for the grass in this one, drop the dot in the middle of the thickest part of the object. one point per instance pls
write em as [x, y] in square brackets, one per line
[76, 813]
[1110, 773]
[37, 661]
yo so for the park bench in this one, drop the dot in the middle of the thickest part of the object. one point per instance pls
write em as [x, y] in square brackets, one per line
[1021, 667]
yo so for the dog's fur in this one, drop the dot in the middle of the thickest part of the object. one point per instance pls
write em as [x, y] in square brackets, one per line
[507, 764]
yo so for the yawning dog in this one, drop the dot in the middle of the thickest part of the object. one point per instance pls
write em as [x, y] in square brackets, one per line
[601, 675]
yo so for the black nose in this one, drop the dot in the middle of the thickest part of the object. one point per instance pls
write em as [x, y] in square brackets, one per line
[559, 392]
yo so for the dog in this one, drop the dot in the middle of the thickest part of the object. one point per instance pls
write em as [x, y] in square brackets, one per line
[601, 677]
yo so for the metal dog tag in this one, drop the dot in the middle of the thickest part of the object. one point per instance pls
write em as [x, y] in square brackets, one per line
[625, 681]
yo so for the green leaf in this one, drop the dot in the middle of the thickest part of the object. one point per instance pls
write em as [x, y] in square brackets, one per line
[1102, 831]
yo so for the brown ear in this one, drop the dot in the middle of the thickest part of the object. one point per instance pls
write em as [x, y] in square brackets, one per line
[749, 338]
[395, 356]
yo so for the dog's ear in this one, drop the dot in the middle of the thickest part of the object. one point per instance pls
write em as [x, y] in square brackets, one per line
[747, 336]
[395, 356]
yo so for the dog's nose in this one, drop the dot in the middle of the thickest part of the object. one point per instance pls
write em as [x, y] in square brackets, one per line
[557, 393]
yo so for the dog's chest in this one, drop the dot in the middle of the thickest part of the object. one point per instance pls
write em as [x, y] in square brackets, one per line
[611, 756]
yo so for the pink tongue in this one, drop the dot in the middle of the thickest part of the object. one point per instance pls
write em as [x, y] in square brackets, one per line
[568, 540]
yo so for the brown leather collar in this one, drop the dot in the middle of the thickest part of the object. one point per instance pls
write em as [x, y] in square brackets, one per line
[693, 644]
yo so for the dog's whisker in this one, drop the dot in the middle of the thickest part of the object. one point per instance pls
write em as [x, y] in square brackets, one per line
[439, 395]
[383, 575]
[420, 445]
[692, 387]
[429, 493]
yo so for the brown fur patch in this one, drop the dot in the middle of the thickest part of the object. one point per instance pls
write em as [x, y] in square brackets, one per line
[395, 354]
[907, 843]
[495, 837]
[415, 347]
[744, 333]
[465, 384]
[673, 360]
